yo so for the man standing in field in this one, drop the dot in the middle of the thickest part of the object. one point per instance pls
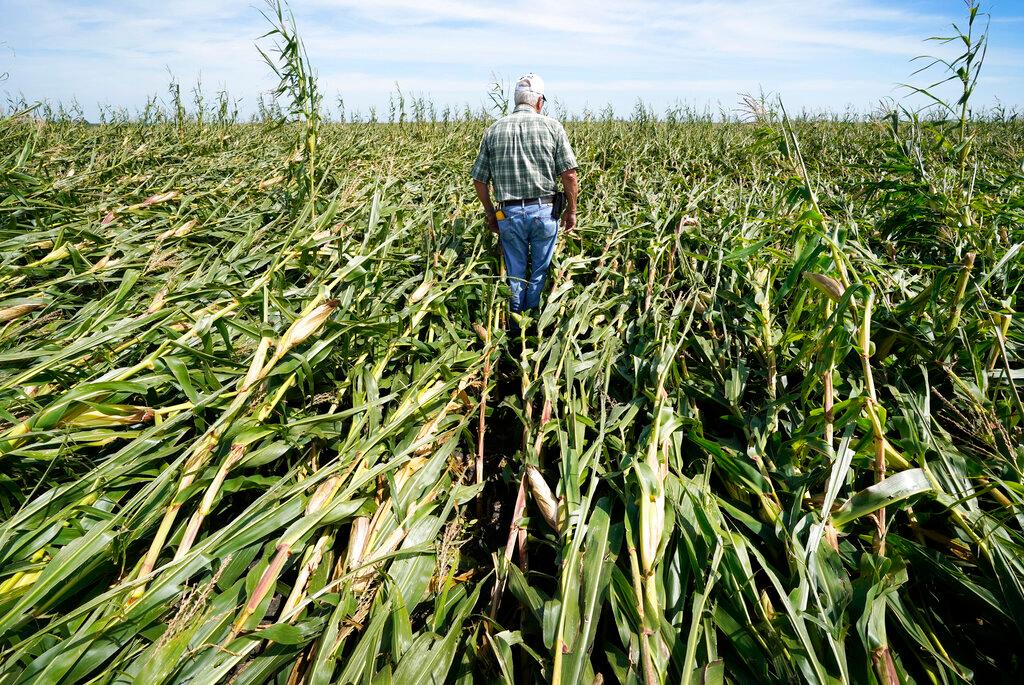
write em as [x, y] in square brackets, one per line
[523, 155]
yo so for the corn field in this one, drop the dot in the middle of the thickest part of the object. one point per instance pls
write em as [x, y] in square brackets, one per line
[261, 420]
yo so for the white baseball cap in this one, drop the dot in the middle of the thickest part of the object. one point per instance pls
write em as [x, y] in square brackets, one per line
[530, 83]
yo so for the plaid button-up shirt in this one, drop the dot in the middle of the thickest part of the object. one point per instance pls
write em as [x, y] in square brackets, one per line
[523, 153]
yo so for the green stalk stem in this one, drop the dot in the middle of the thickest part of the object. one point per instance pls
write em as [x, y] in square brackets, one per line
[873, 415]
[961, 288]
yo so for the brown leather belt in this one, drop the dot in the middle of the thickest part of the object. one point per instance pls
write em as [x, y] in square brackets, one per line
[545, 200]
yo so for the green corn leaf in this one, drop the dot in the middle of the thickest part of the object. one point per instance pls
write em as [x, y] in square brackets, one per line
[893, 489]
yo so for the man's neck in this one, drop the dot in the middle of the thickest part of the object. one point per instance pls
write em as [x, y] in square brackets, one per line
[524, 108]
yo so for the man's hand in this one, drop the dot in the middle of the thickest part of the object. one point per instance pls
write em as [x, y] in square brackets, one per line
[492, 223]
[569, 222]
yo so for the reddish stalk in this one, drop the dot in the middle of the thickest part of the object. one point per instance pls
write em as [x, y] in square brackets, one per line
[513, 532]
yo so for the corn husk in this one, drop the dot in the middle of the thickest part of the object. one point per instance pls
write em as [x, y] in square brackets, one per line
[105, 262]
[766, 605]
[157, 199]
[422, 290]
[110, 415]
[55, 255]
[185, 228]
[543, 496]
[19, 310]
[266, 183]
[826, 284]
[178, 231]
[158, 301]
[256, 366]
[357, 542]
[652, 527]
[323, 495]
[306, 325]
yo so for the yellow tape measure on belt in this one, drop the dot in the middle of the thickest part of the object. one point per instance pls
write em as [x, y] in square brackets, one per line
[499, 215]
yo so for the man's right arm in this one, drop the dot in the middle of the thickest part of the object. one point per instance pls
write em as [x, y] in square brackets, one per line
[572, 188]
[483, 193]
[481, 175]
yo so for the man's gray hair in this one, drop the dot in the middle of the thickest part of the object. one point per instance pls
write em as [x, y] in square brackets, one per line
[526, 97]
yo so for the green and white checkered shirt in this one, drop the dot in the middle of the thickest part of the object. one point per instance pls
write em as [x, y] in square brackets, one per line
[523, 153]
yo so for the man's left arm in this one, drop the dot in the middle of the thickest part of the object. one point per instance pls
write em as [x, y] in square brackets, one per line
[565, 165]
[571, 186]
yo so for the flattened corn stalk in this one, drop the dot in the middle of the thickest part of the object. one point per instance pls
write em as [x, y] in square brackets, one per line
[704, 436]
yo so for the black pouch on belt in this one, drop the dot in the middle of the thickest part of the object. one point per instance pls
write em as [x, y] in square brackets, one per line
[558, 205]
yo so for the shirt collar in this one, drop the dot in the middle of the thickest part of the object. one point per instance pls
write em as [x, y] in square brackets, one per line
[523, 108]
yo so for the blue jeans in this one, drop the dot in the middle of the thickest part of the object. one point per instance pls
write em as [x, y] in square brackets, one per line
[527, 239]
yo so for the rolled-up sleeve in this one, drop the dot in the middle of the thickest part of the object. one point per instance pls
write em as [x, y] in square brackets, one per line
[564, 157]
[482, 167]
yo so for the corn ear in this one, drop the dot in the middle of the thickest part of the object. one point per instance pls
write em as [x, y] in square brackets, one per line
[256, 365]
[305, 326]
[543, 496]
[19, 310]
[826, 284]
[109, 415]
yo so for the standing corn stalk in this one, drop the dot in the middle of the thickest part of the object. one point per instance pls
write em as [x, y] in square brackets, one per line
[297, 81]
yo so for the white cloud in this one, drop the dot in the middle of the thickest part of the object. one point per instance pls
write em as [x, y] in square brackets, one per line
[823, 54]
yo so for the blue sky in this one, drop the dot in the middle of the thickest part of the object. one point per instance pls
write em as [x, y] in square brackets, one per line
[828, 54]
